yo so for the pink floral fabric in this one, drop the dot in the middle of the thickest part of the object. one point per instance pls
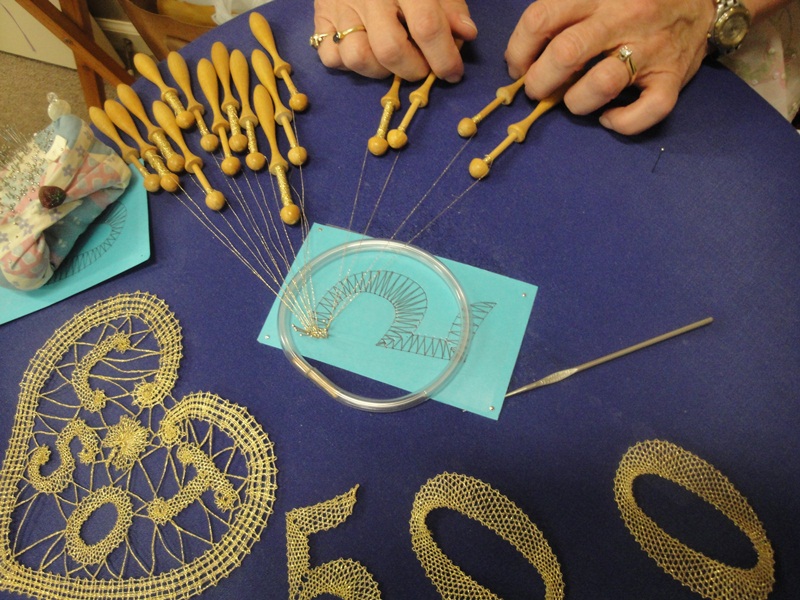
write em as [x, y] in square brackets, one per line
[769, 59]
[35, 240]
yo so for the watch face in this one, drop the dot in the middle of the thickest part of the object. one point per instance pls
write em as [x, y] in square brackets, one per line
[732, 27]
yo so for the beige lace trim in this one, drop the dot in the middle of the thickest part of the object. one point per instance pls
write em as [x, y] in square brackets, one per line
[703, 575]
[190, 485]
[481, 502]
[343, 578]
[164, 498]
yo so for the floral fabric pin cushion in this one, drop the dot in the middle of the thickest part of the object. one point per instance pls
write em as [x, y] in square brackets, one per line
[52, 189]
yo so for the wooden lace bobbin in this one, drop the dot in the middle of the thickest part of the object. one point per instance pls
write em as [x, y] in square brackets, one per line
[149, 70]
[152, 182]
[283, 70]
[290, 213]
[122, 119]
[156, 135]
[468, 127]
[230, 105]
[377, 144]
[240, 72]
[479, 167]
[283, 116]
[397, 138]
[207, 76]
[194, 164]
[180, 73]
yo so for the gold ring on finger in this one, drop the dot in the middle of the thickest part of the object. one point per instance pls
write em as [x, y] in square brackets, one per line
[315, 40]
[340, 35]
[625, 54]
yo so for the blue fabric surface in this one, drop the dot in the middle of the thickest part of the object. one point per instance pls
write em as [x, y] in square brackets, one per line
[626, 238]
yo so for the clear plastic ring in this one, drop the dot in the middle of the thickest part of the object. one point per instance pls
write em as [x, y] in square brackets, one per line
[353, 400]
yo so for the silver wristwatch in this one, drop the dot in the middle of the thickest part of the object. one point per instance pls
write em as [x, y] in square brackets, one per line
[729, 27]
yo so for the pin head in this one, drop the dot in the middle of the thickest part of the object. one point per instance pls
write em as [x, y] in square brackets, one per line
[57, 107]
[51, 196]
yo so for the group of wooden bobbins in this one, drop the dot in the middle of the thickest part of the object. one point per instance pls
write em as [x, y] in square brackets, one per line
[397, 138]
[233, 128]
[467, 127]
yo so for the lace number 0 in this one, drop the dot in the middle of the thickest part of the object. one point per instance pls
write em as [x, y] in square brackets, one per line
[479, 501]
[350, 580]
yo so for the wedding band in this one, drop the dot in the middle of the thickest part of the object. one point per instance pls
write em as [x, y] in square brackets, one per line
[339, 35]
[625, 54]
[315, 40]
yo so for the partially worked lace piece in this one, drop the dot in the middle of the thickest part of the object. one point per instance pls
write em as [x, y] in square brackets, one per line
[481, 502]
[111, 488]
[703, 575]
[343, 578]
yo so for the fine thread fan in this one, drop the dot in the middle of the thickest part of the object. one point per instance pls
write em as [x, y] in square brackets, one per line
[245, 222]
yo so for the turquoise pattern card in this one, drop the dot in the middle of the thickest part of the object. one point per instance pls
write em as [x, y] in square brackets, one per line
[394, 320]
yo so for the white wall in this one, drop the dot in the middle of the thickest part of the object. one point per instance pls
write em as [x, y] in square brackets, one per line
[23, 35]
